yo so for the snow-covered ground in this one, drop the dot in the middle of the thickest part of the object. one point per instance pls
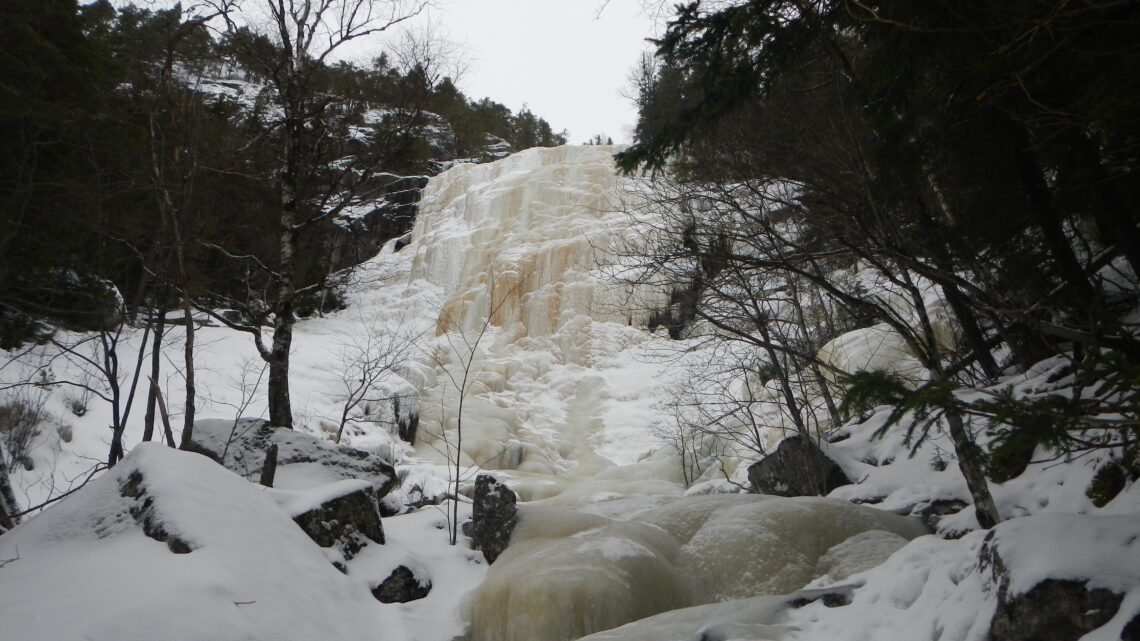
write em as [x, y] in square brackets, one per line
[496, 325]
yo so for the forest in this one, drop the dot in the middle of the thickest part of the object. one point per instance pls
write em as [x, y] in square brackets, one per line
[127, 129]
[979, 157]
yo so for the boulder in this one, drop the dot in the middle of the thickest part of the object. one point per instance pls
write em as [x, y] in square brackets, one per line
[346, 516]
[493, 516]
[303, 460]
[401, 586]
[1109, 481]
[797, 468]
[1052, 610]
[245, 570]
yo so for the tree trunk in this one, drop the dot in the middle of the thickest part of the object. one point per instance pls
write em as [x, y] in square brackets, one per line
[188, 345]
[158, 319]
[280, 409]
[970, 464]
[1049, 220]
[162, 413]
[1115, 223]
[187, 356]
[110, 347]
[971, 331]
[8, 505]
[269, 468]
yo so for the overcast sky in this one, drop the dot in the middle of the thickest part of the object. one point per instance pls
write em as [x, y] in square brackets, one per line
[565, 59]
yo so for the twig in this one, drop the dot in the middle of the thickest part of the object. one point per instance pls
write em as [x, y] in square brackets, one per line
[98, 468]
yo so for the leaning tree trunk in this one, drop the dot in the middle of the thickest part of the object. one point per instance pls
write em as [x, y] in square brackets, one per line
[970, 464]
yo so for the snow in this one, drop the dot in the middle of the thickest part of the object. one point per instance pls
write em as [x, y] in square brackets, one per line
[1056, 546]
[567, 402]
[85, 569]
[419, 541]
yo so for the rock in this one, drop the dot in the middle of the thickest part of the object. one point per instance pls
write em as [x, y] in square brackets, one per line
[1109, 481]
[835, 596]
[1052, 610]
[1009, 460]
[401, 586]
[796, 468]
[1131, 631]
[302, 459]
[347, 518]
[8, 506]
[931, 513]
[142, 510]
[493, 516]
[79, 301]
[355, 236]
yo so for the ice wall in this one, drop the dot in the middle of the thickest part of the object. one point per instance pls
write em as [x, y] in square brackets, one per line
[529, 329]
[517, 241]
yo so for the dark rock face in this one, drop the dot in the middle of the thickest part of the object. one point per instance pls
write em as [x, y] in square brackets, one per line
[493, 516]
[241, 447]
[1131, 631]
[346, 522]
[796, 468]
[352, 239]
[402, 586]
[142, 511]
[1052, 610]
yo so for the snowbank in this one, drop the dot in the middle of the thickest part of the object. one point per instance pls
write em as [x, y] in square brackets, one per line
[85, 569]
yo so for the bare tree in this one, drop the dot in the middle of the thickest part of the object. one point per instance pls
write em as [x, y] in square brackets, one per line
[462, 348]
[366, 360]
[746, 264]
[290, 42]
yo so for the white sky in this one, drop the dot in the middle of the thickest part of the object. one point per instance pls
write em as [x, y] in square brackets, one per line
[562, 58]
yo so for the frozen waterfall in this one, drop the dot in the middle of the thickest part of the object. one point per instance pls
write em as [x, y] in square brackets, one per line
[546, 366]
[540, 346]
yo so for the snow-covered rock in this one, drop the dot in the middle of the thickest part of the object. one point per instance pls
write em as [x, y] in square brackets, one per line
[91, 567]
[344, 515]
[797, 468]
[401, 586]
[303, 461]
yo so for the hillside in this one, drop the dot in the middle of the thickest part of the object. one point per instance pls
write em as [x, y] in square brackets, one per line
[566, 399]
